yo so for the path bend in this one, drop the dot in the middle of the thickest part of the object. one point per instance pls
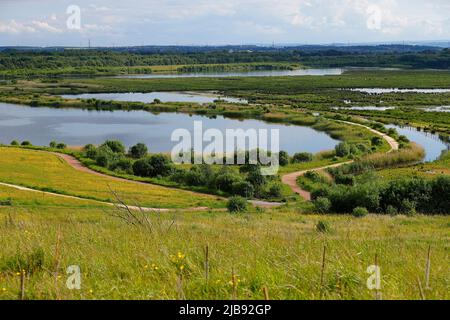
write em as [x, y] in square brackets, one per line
[291, 178]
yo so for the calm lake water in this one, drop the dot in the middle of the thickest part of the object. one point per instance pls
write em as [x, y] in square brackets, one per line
[432, 143]
[80, 127]
[195, 97]
[271, 73]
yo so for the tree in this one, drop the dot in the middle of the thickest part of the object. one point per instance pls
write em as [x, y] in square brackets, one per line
[61, 146]
[26, 143]
[14, 143]
[244, 189]
[142, 168]
[138, 151]
[302, 157]
[161, 165]
[115, 146]
[283, 157]
[53, 144]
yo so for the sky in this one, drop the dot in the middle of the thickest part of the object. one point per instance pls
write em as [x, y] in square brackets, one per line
[220, 22]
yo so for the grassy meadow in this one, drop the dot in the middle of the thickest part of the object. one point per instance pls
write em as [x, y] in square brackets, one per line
[47, 172]
[165, 258]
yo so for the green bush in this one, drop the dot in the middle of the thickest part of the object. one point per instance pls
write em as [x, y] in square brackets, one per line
[302, 157]
[360, 212]
[376, 141]
[61, 146]
[6, 202]
[115, 146]
[275, 190]
[322, 205]
[283, 158]
[14, 143]
[138, 151]
[53, 144]
[26, 143]
[237, 204]
[391, 210]
[142, 168]
[342, 149]
[225, 181]
[244, 189]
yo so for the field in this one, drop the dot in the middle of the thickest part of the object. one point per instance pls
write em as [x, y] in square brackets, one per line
[288, 251]
[44, 171]
[283, 252]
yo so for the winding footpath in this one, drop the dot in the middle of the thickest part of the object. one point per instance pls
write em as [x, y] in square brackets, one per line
[288, 179]
[291, 178]
[77, 165]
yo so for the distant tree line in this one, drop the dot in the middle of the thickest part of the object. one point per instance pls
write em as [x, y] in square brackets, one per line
[15, 60]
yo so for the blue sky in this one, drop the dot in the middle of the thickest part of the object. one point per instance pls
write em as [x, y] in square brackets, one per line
[209, 22]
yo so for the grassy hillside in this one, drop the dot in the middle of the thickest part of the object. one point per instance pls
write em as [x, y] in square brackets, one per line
[44, 171]
[281, 251]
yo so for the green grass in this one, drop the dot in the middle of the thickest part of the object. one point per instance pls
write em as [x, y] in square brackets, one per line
[120, 261]
[44, 171]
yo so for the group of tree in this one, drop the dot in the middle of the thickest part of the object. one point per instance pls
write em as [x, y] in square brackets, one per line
[246, 180]
[400, 196]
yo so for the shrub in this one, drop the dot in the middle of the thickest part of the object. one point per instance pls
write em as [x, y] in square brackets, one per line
[342, 149]
[346, 179]
[155, 165]
[104, 156]
[53, 144]
[115, 146]
[302, 157]
[237, 204]
[244, 189]
[123, 165]
[61, 146]
[142, 168]
[314, 176]
[376, 141]
[6, 202]
[322, 205]
[275, 190]
[26, 143]
[360, 212]
[14, 143]
[161, 165]
[225, 181]
[283, 157]
[440, 191]
[391, 210]
[408, 207]
[138, 151]
[323, 227]
[91, 151]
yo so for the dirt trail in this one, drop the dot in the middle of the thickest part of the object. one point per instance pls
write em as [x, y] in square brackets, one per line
[291, 178]
[77, 165]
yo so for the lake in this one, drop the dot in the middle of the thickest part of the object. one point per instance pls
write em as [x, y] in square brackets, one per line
[192, 97]
[270, 73]
[432, 143]
[78, 127]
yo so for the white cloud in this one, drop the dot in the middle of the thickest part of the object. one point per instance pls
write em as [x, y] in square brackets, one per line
[14, 27]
